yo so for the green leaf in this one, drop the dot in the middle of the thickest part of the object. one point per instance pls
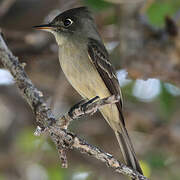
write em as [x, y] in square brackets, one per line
[166, 102]
[27, 141]
[127, 92]
[145, 168]
[98, 4]
[161, 8]
[2, 177]
[56, 173]
[156, 160]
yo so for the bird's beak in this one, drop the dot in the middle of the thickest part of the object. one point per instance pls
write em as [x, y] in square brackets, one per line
[45, 27]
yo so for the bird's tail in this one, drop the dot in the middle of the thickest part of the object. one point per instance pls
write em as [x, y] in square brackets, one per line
[128, 150]
[122, 136]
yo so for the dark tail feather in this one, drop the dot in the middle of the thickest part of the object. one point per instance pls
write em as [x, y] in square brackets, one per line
[128, 150]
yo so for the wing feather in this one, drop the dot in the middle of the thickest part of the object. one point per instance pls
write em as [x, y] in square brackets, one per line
[99, 57]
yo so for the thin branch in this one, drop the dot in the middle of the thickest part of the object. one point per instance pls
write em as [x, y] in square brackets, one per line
[47, 122]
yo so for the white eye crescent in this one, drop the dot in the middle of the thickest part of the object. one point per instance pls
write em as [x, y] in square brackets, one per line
[67, 22]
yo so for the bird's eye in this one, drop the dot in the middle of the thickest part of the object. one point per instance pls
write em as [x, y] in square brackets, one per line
[67, 22]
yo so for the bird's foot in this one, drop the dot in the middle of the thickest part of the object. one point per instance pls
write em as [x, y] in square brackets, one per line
[86, 104]
[76, 106]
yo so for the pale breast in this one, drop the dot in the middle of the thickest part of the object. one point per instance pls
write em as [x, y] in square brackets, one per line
[81, 73]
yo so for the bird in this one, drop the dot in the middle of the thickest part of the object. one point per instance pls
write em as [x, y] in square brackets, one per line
[86, 64]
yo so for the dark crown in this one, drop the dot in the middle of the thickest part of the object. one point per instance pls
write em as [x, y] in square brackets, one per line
[82, 12]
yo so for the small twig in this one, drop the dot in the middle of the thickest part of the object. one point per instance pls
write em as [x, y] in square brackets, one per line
[48, 123]
[63, 157]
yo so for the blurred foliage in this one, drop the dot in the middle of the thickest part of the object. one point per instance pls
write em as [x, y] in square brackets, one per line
[161, 8]
[127, 92]
[2, 177]
[156, 160]
[146, 168]
[98, 5]
[27, 141]
[56, 173]
[166, 103]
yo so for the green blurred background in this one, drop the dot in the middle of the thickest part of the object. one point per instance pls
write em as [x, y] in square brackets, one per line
[151, 106]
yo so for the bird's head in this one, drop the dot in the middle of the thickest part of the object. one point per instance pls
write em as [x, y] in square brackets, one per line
[75, 23]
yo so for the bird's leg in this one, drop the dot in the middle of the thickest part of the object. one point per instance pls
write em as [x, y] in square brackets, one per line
[80, 108]
[85, 105]
[64, 120]
[76, 106]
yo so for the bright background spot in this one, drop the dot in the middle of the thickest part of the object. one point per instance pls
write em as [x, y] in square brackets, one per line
[146, 90]
[5, 77]
[122, 77]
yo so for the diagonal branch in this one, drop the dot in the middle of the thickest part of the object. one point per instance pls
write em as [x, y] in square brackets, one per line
[47, 122]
